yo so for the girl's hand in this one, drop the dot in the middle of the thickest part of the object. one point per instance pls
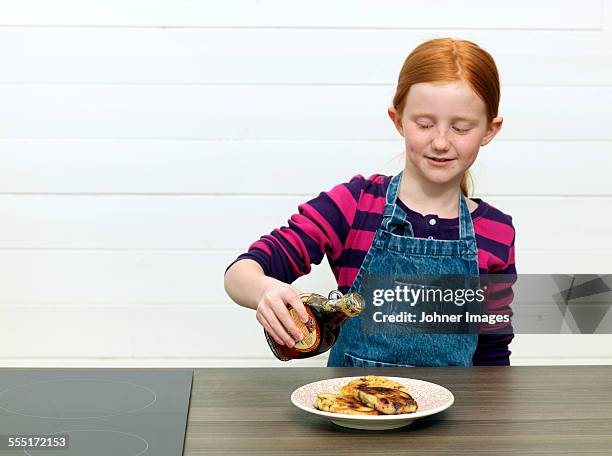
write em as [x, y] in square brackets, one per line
[273, 315]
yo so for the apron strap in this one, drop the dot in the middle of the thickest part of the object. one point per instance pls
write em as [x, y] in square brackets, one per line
[466, 227]
[394, 216]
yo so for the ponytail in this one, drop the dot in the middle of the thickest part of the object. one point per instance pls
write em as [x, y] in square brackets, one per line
[466, 183]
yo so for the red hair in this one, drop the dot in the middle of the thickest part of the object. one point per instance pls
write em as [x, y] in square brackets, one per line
[449, 60]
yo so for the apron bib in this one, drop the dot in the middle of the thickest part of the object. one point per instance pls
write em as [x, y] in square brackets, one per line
[391, 254]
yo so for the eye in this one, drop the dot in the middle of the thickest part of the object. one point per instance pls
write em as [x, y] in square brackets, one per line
[461, 130]
[424, 126]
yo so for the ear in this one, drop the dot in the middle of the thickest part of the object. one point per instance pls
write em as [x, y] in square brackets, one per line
[492, 130]
[396, 119]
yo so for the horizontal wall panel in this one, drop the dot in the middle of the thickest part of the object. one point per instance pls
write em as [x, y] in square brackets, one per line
[273, 56]
[111, 277]
[253, 112]
[561, 261]
[84, 278]
[243, 167]
[134, 331]
[543, 168]
[214, 222]
[562, 345]
[274, 13]
[193, 167]
[199, 332]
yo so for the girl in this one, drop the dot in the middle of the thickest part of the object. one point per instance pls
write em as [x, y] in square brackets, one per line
[419, 221]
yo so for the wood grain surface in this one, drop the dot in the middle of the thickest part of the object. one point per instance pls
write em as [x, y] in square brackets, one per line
[553, 410]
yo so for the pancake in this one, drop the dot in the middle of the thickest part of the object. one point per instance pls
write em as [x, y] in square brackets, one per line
[371, 380]
[388, 401]
[338, 403]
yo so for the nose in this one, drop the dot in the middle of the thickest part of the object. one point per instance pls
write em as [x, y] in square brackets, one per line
[440, 141]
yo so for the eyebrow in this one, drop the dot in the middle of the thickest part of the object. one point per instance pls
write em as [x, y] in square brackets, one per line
[426, 114]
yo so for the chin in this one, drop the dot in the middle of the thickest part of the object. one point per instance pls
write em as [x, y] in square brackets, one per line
[441, 177]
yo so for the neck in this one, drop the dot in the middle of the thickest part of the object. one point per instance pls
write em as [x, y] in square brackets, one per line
[427, 197]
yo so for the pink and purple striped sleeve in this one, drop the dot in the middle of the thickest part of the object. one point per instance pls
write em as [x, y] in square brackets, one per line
[319, 228]
[500, 275]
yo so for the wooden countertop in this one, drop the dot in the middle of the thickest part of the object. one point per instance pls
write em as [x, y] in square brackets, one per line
[555, 410]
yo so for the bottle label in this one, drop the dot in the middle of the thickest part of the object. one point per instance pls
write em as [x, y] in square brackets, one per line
[310, 329]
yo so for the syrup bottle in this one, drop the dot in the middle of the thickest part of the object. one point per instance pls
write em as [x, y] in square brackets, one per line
[325, 317]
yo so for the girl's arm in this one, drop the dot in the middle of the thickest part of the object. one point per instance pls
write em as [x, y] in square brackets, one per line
[260, 278]
[246, 283]
[492, 349]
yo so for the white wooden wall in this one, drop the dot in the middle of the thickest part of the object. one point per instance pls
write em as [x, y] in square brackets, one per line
[145, 144]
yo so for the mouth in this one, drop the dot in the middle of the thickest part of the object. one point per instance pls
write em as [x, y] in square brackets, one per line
[439, 161]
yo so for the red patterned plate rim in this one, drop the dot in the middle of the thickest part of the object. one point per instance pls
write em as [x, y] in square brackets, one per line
[430, 397]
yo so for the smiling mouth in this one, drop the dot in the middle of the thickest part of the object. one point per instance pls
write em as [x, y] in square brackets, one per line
[440, 160]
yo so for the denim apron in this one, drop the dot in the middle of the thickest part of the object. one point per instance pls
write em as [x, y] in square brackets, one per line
[392, 254]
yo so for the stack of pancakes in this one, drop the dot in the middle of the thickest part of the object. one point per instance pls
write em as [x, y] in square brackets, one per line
[369, 395]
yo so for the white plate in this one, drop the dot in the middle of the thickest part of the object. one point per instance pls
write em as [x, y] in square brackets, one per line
[430, 398]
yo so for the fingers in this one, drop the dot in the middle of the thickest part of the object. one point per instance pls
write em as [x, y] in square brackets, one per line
[273, 314]
[283, 315]
[276, 325]
[262, 320]
[293, 298]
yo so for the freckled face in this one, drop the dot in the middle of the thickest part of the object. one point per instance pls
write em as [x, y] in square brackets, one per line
[443, 126]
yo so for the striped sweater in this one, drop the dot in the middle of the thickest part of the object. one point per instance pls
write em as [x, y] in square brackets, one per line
[341, 224]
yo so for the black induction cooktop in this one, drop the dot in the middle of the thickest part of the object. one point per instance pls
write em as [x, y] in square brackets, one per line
[104, 412]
